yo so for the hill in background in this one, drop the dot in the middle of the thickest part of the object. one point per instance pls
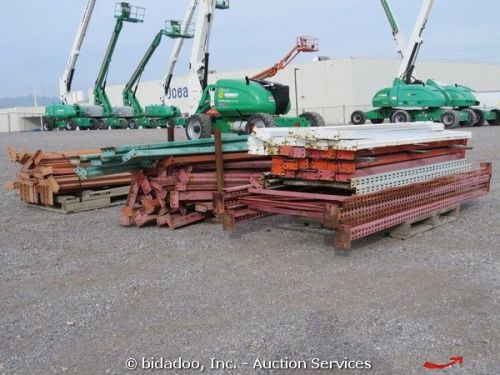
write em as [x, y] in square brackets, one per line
[26, 101]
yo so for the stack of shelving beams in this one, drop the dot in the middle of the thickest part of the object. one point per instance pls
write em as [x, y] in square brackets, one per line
[360, 156]
[358, 180]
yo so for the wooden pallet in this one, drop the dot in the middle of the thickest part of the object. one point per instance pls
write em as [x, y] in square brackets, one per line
[89, 200]
[424, 223]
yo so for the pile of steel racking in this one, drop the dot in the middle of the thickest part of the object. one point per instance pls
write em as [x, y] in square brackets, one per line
[48, 178]
[359, 180]
[180, 190]
[173, 183]
[355, 180]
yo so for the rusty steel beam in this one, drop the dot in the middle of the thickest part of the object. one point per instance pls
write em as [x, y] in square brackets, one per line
[177, 221]
[368, 228]
[170, 133]
[287, 211]
[233, 156]
[219, 160]
[360, 200]
[387, 206]
[408, 156]
[296, 194]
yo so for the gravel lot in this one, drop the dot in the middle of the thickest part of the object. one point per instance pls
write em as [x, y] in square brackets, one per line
[80, 294]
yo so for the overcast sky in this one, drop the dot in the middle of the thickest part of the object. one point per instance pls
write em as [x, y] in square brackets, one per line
[36, 36]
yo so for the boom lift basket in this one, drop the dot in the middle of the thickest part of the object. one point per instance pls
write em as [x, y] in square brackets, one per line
[307, 43]
[222, 4]
[177, 29]
[129, 13]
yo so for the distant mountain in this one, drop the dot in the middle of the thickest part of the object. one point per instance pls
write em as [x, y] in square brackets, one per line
[26, 101]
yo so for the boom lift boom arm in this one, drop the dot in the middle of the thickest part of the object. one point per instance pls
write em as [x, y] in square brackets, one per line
[304, 44]
[198, 62]
[129, 92]
[174, 56]
[123, 13]
[67, 78]
[410, 56]
[396, 32]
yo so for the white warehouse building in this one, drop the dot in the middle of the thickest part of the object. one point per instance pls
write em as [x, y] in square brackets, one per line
[331, 87]
[336, 87]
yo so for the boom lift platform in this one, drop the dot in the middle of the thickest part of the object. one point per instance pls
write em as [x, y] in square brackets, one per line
[303, 44]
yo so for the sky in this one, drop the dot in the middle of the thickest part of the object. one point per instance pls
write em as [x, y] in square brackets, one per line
[36, 36]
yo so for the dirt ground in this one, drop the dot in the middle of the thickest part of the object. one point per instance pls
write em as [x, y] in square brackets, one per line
[81, 295]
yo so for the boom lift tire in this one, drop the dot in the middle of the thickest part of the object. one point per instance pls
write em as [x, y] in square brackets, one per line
[472, 117]
[314, 118]
[358, 118]
[199, 126]
[47, 125]
[170, 124]
[450, 119]
[96, 124]
[496, 121]
[70, 125]
[260, 120]
[400, 115]
[480, 117]
[132, 124]
[103, 125]
[123, 124]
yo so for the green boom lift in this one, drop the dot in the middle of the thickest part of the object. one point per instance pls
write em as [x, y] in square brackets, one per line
[460, 97]
[180, 31]
[107, 115]
[68, 115]
[239, 105]
[410, 99]
[151, 116]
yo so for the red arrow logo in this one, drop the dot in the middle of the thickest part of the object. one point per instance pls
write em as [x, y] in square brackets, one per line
[453, 361]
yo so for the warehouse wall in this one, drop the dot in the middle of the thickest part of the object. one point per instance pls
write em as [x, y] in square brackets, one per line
[335, 88]
[20, 119]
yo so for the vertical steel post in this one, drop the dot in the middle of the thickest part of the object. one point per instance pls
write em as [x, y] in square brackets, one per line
[170, 133]
[8, 122]
[296, 91]
[219, 163]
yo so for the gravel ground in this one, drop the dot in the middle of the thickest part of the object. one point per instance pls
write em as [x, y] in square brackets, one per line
[80, 294]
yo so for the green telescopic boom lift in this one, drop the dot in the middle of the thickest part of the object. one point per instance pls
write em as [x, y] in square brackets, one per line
[68, 114]
[410, 99]
[152, 116]
[124, 12]
[130, 90]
